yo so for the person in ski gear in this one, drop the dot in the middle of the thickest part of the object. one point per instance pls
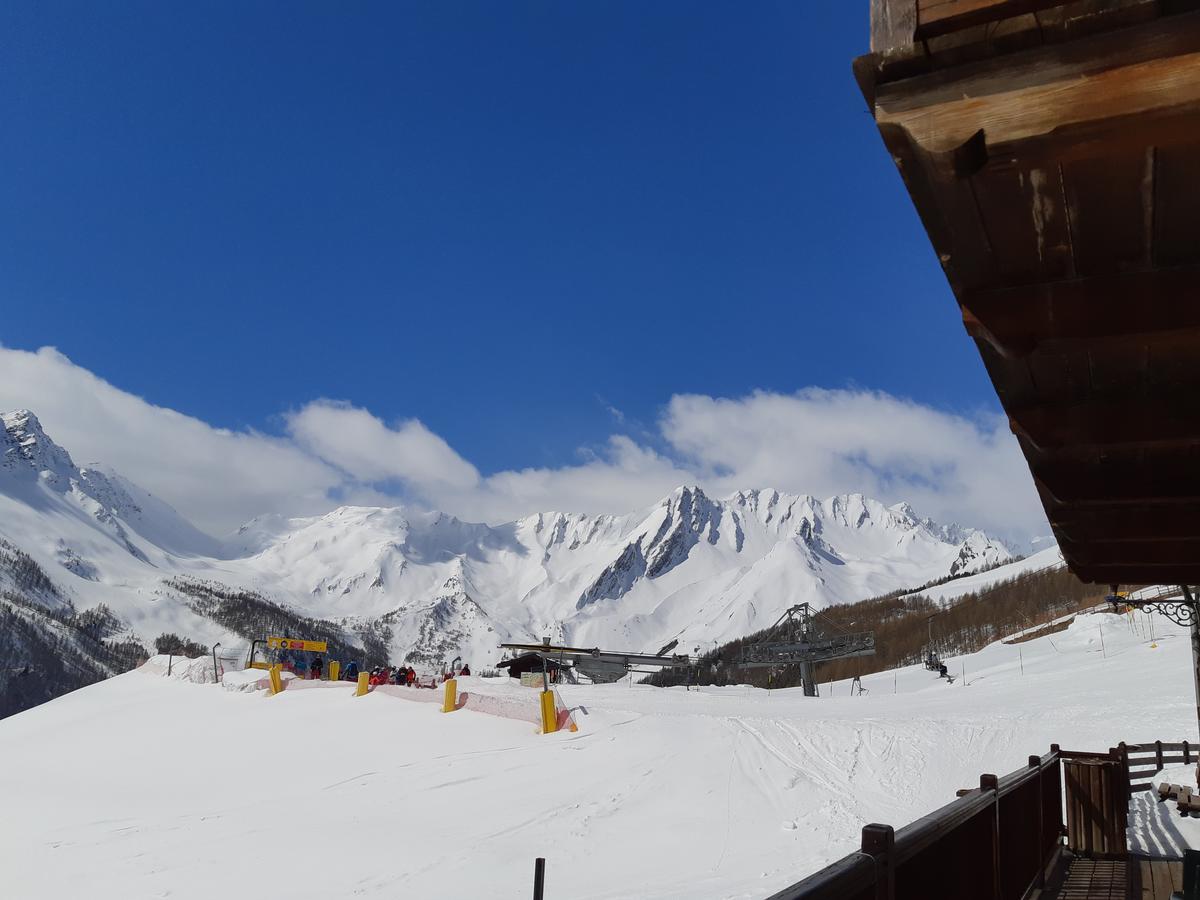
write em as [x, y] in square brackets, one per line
[412, 677]
[351, 671]
[317, 665]
[466, 670]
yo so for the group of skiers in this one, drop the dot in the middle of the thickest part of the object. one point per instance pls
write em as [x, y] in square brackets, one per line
[393, 675]
[305, 668]
[403, 675]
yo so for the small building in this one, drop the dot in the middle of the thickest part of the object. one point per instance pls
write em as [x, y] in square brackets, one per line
[533, 663]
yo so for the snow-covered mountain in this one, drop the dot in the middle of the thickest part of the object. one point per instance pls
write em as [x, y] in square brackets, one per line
[425, 586]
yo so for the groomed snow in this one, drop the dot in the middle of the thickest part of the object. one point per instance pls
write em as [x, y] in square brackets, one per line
[147, 787]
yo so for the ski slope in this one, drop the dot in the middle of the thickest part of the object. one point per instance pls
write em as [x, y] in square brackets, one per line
[147, 787]
[1049, 558]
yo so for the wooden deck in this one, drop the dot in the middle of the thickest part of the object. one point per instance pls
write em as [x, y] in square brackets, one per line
[1154, 879]
[1114, 879]
[1089, 879]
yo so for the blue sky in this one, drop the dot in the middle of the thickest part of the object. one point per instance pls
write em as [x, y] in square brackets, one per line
[528, 226]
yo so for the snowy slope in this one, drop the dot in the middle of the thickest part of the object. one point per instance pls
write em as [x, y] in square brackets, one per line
[191, 791]
[428, 586]
[1050, 558]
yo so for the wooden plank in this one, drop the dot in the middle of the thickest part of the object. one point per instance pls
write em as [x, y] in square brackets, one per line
[1008, 116]
[1177, 206]
[948, 210]
[1110, 526]
[1114, 314]
[1026, 223]
[1078, 60]
[1116, 482]
[893, 24]
[942, 16]
[1151, 421]
[1145, 879]
[1106, 212]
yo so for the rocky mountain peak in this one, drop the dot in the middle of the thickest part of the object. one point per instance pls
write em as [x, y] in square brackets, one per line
[26, 447]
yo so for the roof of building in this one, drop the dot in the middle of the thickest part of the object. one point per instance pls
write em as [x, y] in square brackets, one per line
[1052, 151]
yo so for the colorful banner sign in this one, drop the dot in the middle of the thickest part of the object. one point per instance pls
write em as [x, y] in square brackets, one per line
[281, 643]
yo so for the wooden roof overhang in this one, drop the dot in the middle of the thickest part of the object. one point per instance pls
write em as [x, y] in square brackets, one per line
[1052, 151]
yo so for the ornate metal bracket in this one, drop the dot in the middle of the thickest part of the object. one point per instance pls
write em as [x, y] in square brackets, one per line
[1177, 604]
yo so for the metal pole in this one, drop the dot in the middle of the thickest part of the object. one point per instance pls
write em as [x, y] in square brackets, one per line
[170, 660]
[216, 675]
[1195, 616]
[539, 878]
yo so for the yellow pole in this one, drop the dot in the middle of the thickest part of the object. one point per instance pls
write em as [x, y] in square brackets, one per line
[362, 684]
[276, 679]
[335, 669]
[549, 713]
[450, 701]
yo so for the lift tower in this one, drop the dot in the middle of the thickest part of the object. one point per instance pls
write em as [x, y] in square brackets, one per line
[794, 639]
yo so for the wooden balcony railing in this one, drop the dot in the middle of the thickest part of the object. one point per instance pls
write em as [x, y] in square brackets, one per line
[1000, 840]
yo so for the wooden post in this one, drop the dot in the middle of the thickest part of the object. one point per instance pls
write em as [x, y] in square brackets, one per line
[992, 783]
[539, 878]
[1187, 759]
[1190, 600]
[1158, 755]
[1035, 762]
[879, 842]
[1124, 757]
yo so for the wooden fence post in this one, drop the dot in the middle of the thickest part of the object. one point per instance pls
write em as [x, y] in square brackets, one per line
[1035, 762]
[1187, 760]
[992, 783]
[1158, 755]
[879, 842]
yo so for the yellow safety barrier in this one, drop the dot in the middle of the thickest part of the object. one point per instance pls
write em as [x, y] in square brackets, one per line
[276, 679]
[450, 700]
[362, 684]
[335, 669]
[549, 713]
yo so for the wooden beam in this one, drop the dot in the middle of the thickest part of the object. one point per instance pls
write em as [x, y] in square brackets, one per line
[1134, 525]
[893, 24]
[937, 18]
[1134, 573]
[1149, 422]
[1133, 71]
[1146, 553]
[1114, 313]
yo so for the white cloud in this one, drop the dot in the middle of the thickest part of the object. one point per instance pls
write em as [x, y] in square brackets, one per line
[820, 442]
[215, 477]
[368, 450]
[622, 477]
[824, 442]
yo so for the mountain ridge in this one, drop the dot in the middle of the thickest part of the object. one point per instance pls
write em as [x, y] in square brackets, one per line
[421, 584]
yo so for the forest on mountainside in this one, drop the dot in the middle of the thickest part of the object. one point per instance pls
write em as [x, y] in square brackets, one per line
[901, 623]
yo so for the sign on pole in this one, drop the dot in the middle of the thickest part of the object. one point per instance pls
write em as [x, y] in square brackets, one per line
[282, 643]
